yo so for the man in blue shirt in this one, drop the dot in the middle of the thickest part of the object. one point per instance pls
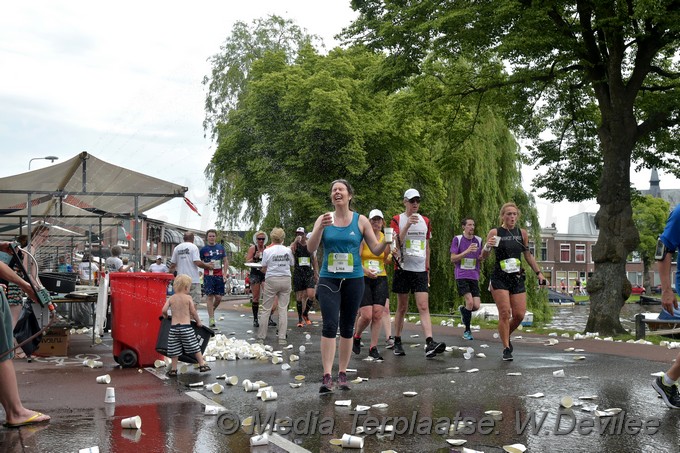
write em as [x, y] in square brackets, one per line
[214, 279]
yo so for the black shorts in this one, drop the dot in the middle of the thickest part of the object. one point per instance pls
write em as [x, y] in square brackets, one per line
[409, 282]
[256, 276]
[466, 285]
[514, 283]
[375, 291]
[303, 279]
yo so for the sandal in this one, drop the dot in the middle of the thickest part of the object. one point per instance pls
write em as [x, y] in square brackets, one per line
[204, 368]
[171, 373]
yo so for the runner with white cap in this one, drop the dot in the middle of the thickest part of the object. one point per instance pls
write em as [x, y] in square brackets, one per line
[413, 233]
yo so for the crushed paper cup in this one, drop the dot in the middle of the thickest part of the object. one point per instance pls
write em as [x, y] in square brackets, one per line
[456, 442]
[285, 367]
[514, 373]
[472, 370]
[566, 402]
[299, 377]
[290, 346]
[515, 448]
[558, 373]
[536, 395]
[361, 408]
[588, 397]
[467, 355]
[293, 358]
[410, 393]
[380, 406]
[259, 439]
[196, 384]
[213, 410]
[159, 363]
[295, 384]
[349, 441]
[580, 357]
[343, 403]
[569, 350]
[481, 355]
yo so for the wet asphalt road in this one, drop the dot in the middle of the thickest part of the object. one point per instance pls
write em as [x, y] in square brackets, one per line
[618, 375]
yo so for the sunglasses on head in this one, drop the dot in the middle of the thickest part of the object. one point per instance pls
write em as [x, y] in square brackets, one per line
[414, 200]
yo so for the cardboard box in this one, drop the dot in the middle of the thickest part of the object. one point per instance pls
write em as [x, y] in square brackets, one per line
[54, 343]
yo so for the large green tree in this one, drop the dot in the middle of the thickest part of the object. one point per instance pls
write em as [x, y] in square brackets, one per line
[594, 84]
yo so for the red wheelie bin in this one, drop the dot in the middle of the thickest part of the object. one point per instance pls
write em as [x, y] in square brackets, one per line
[137, 299]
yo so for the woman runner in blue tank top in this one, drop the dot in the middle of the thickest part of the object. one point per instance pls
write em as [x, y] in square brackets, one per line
[507, 280]
[341, 280]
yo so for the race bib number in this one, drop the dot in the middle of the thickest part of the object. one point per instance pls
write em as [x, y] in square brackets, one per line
[468, 263]
[511, 265]
[374, 266]
[304, 261]
[340, 262]
[415, 247]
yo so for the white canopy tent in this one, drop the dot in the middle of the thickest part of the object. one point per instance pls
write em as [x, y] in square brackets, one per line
[80, 194]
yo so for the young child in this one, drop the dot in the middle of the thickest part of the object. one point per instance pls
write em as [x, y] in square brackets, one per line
[182, 338]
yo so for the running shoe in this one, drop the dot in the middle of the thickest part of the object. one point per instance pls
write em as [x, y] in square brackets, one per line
[356, 345]
[433, 348]
[327, 384]
[212, 322]
[272, 323]
[398, 349]
[342, 381]
[507, 354]
[306, 319]
[669, 393]
[467, 335]
[389, 343]
[373, 352]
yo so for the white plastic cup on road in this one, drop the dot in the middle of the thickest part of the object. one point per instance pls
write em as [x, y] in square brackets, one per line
[251, 386]
[285, 367]
[217, 388]
[269, 395]
[93, 363]
[294, 358]
[159, 363]
[260, 439]
[110, 395]
[566, 402]
[349, 441]
[132, 422]
[276, 360]
[558, 373]
[231, 380]
[389, 232]
[104, 379]
[302, 348]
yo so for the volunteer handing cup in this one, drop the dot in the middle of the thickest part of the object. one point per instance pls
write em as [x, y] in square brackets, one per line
[349, 441]
[389, 232]
[132, 422]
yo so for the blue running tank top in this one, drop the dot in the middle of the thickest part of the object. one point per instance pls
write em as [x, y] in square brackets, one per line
[341, 257]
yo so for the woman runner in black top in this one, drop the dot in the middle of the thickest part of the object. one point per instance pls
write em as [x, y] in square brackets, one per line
[507, 280]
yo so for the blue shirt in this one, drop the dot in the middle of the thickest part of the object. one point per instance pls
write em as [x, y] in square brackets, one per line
[340, 243]
[671, 237]
[216, 254]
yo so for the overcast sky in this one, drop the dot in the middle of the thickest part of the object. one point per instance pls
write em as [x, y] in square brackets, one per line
[122, 81]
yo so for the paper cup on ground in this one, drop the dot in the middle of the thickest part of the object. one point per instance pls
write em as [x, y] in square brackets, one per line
[231, 380]
[388, 234]
[349, 441]
[105, 379]
[269, 395]
[276, 360]
[110, 395]
[132, 422]
[285, 367]
[515, 448]
[260, 439]
[566, 402]
[159, 363]
[217, 388]
[558, 373]
[294, 358]
[212, 410]
[93, 363]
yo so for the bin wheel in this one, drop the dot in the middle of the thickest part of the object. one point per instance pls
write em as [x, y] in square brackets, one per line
[127, 358]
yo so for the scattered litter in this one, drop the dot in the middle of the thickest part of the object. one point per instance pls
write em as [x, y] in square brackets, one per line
[481, 355]
[536, 395]
[472, 370]
[453, 368]
[380, 406]
[415, 335]
[514, 373]
[344, 403]
[515, 448]
[295, 385]
[588, 397]
[410, 393]
[361, 408]
[456, 442]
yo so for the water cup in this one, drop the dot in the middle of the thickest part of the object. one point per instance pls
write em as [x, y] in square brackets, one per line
[260, 439]
[567, 402]
[285, 367]
[105, 379]
[110, 395]
[389, 232]
[294, 358]
[276, 360]
[496, 241]
[212, 410]
[269, 395]
[302, 348]
[93, 363]
[216, 388]
[132, 422]
[251, 386]
[349, 441]
[558, 373]
[231, 380]
[159, 363]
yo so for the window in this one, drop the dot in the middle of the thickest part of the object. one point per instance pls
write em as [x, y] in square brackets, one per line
[532, 248]
[580, 253]
[544, 251]
[591, 253]
[565, 253]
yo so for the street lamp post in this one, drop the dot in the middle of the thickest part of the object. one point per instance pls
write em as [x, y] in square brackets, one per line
[50, 158]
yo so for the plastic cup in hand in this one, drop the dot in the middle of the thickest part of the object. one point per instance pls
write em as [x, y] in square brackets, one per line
[105, 379]
[389, 232]
[132, 422]
[110, 395]
[349, 441]
[496, 241]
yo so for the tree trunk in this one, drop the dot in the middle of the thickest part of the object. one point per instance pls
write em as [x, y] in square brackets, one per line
[609, 287]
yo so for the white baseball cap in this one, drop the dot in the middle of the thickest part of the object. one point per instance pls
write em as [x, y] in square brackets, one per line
[411, 193]
[375, 213]
[159, 257]
[300, 230]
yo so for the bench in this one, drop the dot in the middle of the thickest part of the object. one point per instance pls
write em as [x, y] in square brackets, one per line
[666, 327]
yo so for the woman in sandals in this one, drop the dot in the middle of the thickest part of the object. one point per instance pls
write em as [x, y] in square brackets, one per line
[182, 338]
